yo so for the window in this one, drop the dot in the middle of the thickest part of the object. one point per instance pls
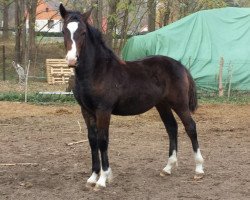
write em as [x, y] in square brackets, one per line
[50, 24]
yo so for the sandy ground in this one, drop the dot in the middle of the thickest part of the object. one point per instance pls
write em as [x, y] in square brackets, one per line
[138, 152]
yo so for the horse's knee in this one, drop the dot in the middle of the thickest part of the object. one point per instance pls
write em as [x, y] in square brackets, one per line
[191, 129]
[172, 129]
[103, 140]
[92, 136]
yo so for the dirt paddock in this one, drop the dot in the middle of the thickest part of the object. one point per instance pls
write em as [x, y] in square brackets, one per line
[39, 135]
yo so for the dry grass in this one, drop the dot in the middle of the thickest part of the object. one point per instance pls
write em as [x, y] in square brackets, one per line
[33, 87]
[42, 52]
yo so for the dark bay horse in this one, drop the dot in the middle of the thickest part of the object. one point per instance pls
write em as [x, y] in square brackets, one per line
[106, 85]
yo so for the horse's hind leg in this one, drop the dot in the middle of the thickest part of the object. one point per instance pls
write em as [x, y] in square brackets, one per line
[190, 127]
[172, 129]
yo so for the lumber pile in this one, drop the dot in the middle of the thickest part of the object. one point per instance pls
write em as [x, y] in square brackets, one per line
[58, 71]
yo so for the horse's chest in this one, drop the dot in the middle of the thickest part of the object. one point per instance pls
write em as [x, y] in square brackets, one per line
[83, 96]
[91, 97]
[84, 99]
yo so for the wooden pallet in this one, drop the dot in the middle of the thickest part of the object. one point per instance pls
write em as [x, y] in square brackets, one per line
[58, 71]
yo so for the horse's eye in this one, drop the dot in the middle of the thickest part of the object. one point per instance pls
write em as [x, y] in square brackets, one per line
[63, 32]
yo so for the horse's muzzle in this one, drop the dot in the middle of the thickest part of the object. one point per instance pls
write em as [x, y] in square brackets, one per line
[72, 62]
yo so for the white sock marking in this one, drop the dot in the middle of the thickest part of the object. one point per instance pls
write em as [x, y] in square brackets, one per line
[172, 160]
[199, 162]
[93, 178]
[105, 175]
[71, 55]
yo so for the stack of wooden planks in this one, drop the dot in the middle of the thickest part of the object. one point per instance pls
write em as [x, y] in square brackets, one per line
[58, 71]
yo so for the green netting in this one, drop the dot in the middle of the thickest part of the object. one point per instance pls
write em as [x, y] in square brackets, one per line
[199, 41]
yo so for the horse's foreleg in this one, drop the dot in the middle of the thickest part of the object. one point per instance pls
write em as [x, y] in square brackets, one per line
[103, 120]
[172, 129]
[92, 136]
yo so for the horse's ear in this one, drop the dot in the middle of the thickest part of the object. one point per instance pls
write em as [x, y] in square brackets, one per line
[62, 10]
[87, 14]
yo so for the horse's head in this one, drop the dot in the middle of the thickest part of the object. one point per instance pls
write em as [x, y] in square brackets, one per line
[74, 30]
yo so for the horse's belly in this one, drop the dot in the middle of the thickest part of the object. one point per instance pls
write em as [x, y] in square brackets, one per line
[134, 106]
[127, 112]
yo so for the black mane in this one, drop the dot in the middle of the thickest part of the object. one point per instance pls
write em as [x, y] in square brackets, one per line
[97, 38]
[74, 16]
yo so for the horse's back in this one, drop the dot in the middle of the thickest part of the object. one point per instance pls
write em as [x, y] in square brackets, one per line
[147, 82]
[158, 62]
[161, 69]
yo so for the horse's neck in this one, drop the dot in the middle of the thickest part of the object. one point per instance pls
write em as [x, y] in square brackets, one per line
[90, 60]
[87, 62]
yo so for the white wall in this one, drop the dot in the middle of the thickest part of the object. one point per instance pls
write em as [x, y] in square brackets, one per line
[42, 26]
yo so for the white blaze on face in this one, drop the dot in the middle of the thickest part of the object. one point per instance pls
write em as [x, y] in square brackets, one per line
[71, 56]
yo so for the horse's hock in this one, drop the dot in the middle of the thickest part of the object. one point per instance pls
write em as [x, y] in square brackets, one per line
[58, 71]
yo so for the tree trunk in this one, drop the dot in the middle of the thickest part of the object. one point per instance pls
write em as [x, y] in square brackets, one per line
[20, 31]
[31, 7]
[23, 34]
[167, 13]
[151, 4]
[221, 91]
[111, 22]
[124, 28]
[97, 14]
[5, 20]
[17, 32]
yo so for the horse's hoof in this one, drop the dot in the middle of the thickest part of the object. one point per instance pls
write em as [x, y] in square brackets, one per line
[90, 185]
[164, 173]
[198, 176]
[98, 187]
[110, 178]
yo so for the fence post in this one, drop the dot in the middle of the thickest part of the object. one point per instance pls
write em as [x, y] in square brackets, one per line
[4, 69]
[26, 82]
[230, 81]
[220, 77]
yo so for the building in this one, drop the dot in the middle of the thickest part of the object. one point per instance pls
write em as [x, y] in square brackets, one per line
[48, 18]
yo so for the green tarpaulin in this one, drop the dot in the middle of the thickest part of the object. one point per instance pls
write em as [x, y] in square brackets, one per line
[199, 41]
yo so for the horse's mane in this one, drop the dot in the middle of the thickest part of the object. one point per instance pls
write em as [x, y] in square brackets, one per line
[74, 15]
[97, 39]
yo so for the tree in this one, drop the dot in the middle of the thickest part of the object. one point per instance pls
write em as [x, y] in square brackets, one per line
[207, 4]
[151, 14]
[23, 29]
[97, 13]
[18, 31]
[164, 11]
[80, 5]
[24, 47]
[5, 4]
[238, 3]
[31, 9]
[112, 19]
[187, 7]
[126, 7]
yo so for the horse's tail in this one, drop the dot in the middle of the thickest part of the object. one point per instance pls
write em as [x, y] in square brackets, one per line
[193, 103]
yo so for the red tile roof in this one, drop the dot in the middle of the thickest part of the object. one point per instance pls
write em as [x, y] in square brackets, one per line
[47, 11]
